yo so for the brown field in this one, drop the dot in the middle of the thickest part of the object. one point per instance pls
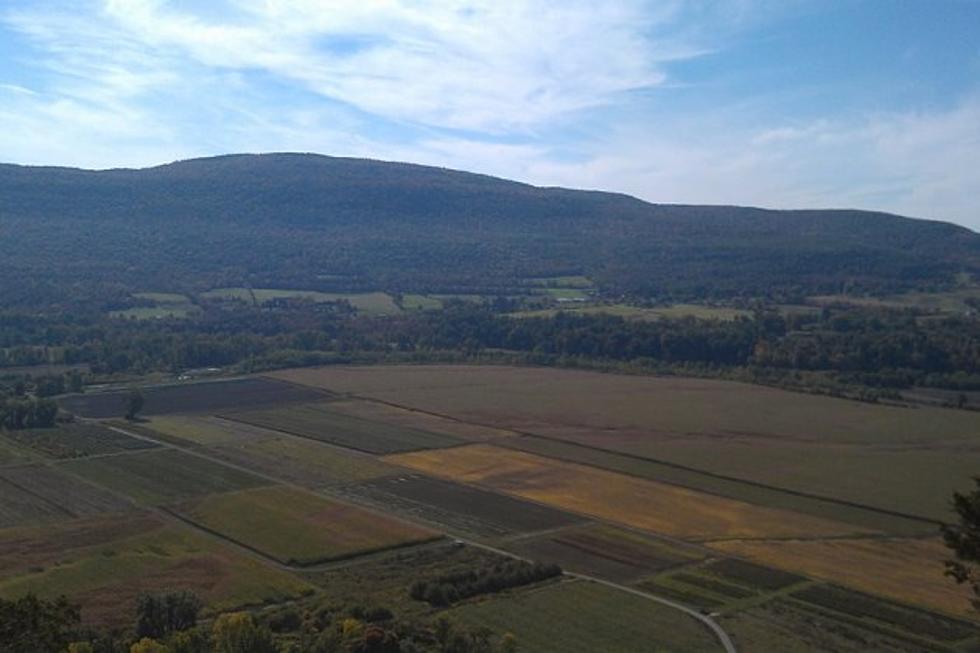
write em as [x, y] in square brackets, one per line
[903, 459]
[69, 493]
[18, 506]
[909, 571]
[378, 412]
[653, 506]
[200, 397]
[603, 551]
[105, 563]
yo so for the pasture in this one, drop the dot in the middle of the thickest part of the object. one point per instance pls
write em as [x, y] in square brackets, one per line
[161, 476]
[583, 617]
[889, 457]
[299, 528]
[105, 563]
[320, 422]
[604, 551]
[76, 440]
[458, 506]
[198, 397]
[648, 505]
[906, 570]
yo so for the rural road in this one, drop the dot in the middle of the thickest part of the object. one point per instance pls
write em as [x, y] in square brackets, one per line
[724, 639]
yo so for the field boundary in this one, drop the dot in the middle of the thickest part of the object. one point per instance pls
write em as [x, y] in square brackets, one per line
[666, 463]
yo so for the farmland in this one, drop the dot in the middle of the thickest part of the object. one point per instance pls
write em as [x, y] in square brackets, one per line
[380, 412]
[371, 303]
[459, 507]
[70, 494]
[585, 617]
[889, 457]
[903, 570]
[320, 422]
[77, 440]
[299, 528]
[161, 476]
[106, 563]
[202, 430]
[674, 311]
[657, 507]
[190, 398]
[604, 551]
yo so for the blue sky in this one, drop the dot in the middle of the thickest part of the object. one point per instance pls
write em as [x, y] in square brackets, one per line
[781, 103]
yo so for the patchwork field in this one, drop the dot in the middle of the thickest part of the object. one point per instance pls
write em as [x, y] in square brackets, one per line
[198, 430]
[909, 571]
[22, 507]
[200, 397]
[298, 528]
[76, 440]
[458, 506]
[161, 476]
[657, 507]
[370, 303]
[320, 422]
[105, 563]
[302, 461]
[585, 617]
[902, 459]
[603, 551]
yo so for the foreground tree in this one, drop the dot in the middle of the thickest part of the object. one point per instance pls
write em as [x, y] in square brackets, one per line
[134, 403]
[160, 615]
[33, 625]
[963, 539]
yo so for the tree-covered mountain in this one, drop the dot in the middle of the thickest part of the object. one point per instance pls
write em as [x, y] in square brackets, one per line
[316, 222]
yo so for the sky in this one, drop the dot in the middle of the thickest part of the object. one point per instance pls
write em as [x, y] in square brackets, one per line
[871, 104]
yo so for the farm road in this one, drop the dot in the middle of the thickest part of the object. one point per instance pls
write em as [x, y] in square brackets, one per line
[723, 637]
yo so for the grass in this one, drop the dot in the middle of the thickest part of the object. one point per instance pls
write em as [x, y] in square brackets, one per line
[896, 458]
[162, 297]
[12, 453]
[298, 528]
[585, 617]
[305, 462]
[656, 507]
[372, 303]
[161, 476]
[69, 494]
[104, 565]
[420, 303]
[200, 430]
[319, 422]
[951, 301]
[908, 571]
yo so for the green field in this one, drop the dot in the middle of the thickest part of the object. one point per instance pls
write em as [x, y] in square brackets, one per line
[105, 564]
[179, 311]
[420, 303]
[583, 617]
[371, 303]
[570, 281]
[302, 461]
[951, 301]
[161, 476]
[318, 422]
[162, 297]
[299, 528]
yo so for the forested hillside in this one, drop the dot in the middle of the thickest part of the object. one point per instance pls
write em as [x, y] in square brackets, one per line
[333, 224]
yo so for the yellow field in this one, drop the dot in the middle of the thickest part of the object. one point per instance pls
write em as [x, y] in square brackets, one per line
[910, 571]
[649, 505]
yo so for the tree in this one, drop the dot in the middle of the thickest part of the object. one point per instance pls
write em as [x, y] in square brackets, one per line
[237, 632]
[147, 645]
[134, 403]
[160, 615]
[31, 625]
[964, 540]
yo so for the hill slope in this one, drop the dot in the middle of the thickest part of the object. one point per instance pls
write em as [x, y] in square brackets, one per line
[338, 224]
